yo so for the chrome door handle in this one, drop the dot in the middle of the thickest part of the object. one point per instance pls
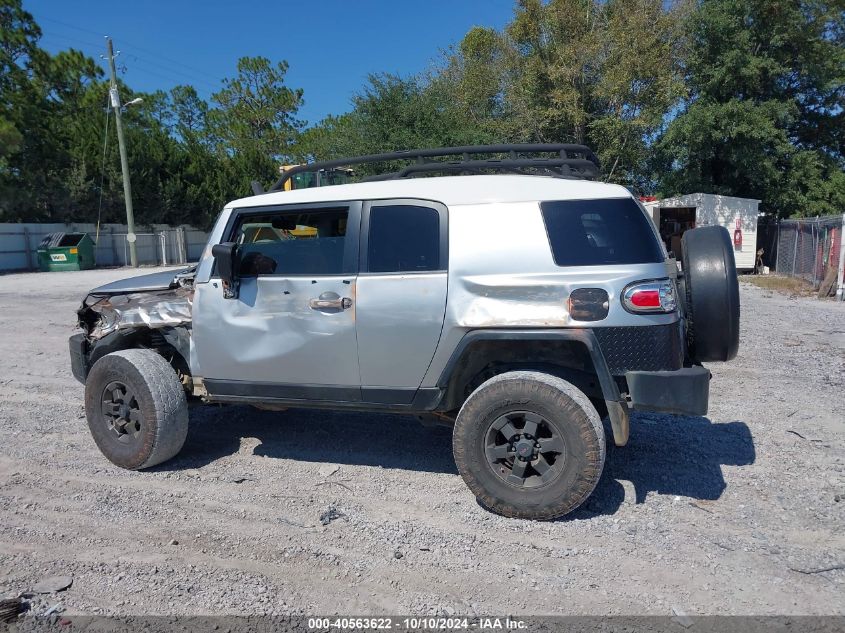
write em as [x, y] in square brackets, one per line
[327, 302]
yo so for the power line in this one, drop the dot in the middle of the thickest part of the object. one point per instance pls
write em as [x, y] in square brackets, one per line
[201, 90]
[130, 46]
[50, 35]
[126, 44]
[170, 71]
[145, 65]
[70, 26]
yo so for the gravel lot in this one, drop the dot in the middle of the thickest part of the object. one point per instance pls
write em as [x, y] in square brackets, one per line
[731, 514]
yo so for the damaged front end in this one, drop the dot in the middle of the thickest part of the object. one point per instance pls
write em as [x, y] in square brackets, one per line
[151, 311]
[103, 315]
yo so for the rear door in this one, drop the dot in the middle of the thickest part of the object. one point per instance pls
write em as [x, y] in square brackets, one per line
[401, 295]
[291, 331]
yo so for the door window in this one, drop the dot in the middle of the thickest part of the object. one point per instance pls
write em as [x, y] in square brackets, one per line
[292, 243]
[403, 238]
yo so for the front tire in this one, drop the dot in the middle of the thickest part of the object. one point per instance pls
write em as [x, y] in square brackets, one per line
[136, 408]
[529, 445]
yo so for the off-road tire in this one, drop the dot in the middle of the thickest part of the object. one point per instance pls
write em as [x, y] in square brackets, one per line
[710, 294]
[160, 399]
[560, 404]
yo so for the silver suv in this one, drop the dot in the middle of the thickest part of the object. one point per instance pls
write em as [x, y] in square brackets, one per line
[520, 309]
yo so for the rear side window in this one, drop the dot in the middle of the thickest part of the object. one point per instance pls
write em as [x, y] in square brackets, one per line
[596, 232]
[403, 238]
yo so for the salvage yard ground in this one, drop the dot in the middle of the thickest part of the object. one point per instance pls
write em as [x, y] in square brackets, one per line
[741, 512]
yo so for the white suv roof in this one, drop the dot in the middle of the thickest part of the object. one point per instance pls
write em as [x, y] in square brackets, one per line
[450, 190]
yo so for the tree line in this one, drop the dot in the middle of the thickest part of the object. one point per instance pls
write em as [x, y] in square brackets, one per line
[738, 97]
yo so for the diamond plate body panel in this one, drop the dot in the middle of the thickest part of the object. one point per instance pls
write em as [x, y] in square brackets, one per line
[645, 348]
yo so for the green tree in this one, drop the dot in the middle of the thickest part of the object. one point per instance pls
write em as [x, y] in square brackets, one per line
[597, 73]
[766, 113]
[333, 137]
[554, 67]
[20, 106]
[391, 113]
[19, 52]
[190, 113]
[73, 110]
[254, 126]
[10, 139]
[186, 159]
[471, 80]
[256, 111]
[639, 81]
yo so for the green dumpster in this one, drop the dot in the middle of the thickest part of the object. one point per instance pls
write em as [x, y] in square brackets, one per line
[66, 251]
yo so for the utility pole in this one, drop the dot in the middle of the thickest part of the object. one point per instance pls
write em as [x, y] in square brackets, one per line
[114, 99]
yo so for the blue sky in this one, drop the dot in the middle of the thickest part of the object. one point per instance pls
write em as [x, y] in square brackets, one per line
[331, 45]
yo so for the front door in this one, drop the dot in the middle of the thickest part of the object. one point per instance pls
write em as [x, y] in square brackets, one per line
[290, 333]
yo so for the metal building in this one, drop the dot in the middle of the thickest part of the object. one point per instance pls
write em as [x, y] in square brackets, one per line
[673, 216]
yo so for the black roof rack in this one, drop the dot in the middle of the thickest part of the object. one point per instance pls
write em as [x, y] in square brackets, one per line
[572, 161]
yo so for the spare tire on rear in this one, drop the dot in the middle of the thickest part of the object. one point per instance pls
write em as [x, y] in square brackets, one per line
[712, 294]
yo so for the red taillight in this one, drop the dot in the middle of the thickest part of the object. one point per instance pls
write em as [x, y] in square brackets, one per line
[645, 298]
[650, 296]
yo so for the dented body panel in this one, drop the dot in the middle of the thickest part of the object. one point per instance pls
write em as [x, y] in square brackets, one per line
[163, 280]
[127, 312]
[502, 274]
[270, 334]
[153, 309]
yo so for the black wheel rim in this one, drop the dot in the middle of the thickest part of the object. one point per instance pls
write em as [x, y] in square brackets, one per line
[524, 449]
[121, 412]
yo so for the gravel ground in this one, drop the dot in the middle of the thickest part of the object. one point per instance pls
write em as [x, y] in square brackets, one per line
[736, 513]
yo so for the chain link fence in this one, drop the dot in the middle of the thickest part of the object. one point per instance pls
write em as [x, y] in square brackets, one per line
[812, 249]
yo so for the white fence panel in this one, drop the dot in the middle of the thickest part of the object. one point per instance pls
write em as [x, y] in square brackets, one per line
[156, 245]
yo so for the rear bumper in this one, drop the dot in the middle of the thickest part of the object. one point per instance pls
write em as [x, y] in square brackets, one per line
[78, 357]
[684, 391]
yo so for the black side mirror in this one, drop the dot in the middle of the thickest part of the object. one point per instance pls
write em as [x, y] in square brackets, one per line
[226, 257]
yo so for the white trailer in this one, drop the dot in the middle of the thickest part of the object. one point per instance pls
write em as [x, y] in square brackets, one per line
[673, 216]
